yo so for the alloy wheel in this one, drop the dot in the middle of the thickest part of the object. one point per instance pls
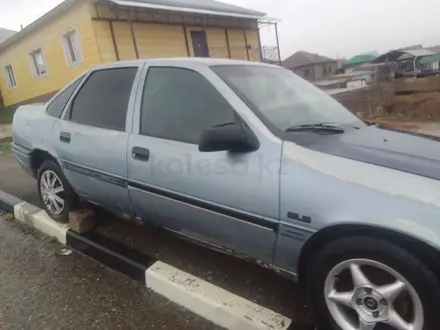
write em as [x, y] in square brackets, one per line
[377, 294]
[52, 192]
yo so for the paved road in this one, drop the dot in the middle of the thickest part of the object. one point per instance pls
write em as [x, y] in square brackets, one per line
[15, 181]
[42, 290]
[245, 279]
[5, 130]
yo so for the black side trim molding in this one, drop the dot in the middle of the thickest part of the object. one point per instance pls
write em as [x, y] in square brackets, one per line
[256, 220]
[95, 174]
[260, 221]
[111, 253]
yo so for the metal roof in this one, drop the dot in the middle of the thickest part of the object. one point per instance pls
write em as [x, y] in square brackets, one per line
[211, 5]
[430, 59]
[358, 60]
[402, 55]
[302, 58]
[415, 53]
[419, 52]
[6, 34]
[205, 7]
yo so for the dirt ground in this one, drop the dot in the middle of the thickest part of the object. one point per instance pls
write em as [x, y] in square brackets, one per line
[422, 128]
[416, 107]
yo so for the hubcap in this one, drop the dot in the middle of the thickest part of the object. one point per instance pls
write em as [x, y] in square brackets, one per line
[369, 303]
[52, 192]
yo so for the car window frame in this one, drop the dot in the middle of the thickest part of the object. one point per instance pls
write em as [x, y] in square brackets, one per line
[140, 96]
[48, 104]
[131, 102]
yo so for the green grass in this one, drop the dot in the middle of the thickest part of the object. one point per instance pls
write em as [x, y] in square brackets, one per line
[6, 116]
[5, 146]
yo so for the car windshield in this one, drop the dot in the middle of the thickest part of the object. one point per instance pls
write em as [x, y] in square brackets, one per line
[283, 98]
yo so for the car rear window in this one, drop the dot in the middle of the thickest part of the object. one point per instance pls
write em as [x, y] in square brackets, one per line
[57, 105]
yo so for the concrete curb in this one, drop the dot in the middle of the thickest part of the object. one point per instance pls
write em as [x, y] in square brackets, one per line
[205, 299]
[38, 218]
[211, 302]
[8, 202]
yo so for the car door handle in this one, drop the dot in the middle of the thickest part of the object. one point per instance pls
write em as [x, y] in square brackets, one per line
[141, 154]
[65, 137]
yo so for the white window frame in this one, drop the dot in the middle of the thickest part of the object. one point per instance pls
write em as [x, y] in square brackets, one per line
[11, 81]
[75, 47]
[36, 72]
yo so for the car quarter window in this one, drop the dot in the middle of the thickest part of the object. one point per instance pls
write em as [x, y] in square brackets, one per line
[179, 104]
[103, 99]
[56, 107]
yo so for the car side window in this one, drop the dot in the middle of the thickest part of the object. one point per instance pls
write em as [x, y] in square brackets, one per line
[179, 104]
[56, 107]
[103, 99]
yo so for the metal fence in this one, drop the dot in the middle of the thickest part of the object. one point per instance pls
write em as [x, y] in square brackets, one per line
[270, 55]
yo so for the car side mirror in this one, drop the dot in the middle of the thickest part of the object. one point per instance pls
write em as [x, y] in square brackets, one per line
[232, 136]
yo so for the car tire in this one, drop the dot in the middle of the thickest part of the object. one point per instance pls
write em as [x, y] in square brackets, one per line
[55, 192]
[371, 302]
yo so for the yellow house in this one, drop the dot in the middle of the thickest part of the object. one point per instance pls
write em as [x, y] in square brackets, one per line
[79, 34]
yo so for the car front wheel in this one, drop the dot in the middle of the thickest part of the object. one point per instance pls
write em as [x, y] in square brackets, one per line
[55, 191]
[364, 283]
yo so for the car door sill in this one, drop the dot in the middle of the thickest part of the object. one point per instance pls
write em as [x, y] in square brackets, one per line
[205, 244]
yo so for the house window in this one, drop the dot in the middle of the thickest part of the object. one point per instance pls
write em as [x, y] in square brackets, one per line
[306, 72]
[38, 63]
[325, 70]
[72, 48]
[329, 69]
[10, 77]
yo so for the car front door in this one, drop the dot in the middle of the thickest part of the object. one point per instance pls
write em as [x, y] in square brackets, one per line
[227, 199]
[92, 137]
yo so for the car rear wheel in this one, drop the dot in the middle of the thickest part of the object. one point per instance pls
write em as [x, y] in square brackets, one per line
[363, 283]
[55, 192]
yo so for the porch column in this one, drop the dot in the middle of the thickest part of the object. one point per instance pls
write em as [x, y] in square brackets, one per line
[115, 45]
[246, 44]
[260, 45]
[278, 43]
[227, 42]
[132, 35]
[185, 32]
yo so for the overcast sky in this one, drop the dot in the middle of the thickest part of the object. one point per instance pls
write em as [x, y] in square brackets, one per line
[329, 27]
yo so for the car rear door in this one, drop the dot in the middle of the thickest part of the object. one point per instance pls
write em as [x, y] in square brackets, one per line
[227, 199]
[92, 137]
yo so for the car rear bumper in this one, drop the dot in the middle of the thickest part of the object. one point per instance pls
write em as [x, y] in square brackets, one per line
[23, 157]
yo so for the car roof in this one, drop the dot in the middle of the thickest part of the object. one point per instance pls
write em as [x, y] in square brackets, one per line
[182, 61]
